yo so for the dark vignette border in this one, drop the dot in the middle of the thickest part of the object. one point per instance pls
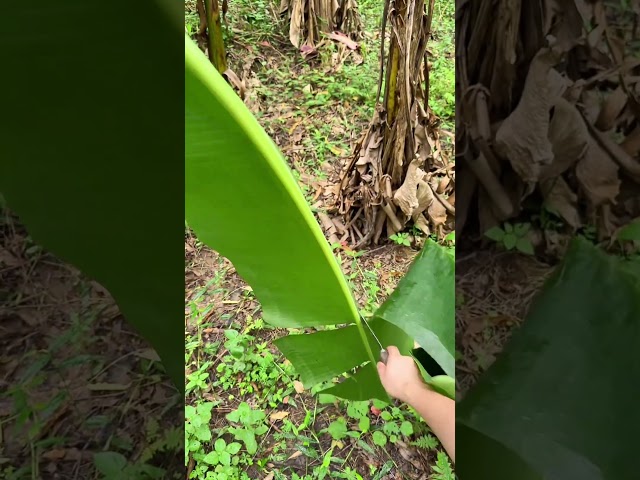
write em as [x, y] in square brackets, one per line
[91, 156]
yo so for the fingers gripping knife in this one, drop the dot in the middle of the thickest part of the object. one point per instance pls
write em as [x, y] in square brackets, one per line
[384, 355]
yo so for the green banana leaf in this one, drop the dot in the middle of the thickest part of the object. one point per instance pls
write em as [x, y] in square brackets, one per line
[424, 304]
[83, 151]
[562, 395]
[630, 232]
[235, 177]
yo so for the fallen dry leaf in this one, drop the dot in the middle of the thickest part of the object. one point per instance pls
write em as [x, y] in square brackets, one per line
[298, 386]
[55, 454]
[406, 197]
[437, 212]
[278, 416]
[342, 38]
[295, 455]
[611, 109]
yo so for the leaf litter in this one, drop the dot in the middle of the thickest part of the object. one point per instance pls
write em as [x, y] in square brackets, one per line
[76, 378]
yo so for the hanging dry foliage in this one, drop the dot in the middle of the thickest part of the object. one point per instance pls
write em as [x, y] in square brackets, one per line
[398, 174]
[548, 109]
[310, 19]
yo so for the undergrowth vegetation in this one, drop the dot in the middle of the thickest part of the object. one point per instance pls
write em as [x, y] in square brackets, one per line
[248, 416]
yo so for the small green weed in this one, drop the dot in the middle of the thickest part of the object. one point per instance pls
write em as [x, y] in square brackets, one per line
[251, 424]
[115, 466]
[401, 239]
[512, 236]
[442, 469]
[547, 220]
[215, 462]
[251, 364]
[426, 442]
[368, 282]
[395, 423]
[199, 378]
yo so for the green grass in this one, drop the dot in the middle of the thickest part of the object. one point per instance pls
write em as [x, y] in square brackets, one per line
[442, 75]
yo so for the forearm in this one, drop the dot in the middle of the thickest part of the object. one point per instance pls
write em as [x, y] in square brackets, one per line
[439, 412]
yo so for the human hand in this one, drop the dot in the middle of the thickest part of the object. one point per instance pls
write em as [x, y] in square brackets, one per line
[400, 377]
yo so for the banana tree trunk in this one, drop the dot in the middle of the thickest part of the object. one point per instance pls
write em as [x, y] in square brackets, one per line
[211, 31]
[528, 85]
[309, 19]
[396, 175]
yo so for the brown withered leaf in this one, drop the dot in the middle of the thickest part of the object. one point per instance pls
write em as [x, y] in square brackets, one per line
[423, 144]
[611, 108]
[563, 21]
[443, 184]
[296, 20]
[561, 199]
[294, 455]
[523, 136]
[344, 39]
[569, 139]
[54, 454]
[274, 417]
[597, 175]
[437, 213]
[406, 197]
[629, 164]
[421, 222]
[424, 196]
[631, 144]
[236, 82]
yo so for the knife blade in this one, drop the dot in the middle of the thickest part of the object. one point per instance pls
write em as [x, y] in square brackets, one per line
[384, 355]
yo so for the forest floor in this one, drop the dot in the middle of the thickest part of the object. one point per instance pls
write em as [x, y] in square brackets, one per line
[315, 111]
[82, 395]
